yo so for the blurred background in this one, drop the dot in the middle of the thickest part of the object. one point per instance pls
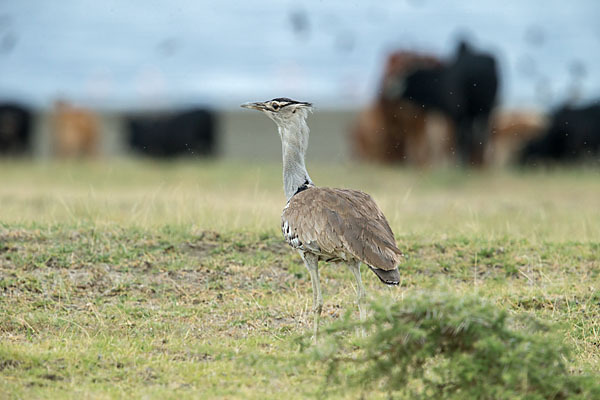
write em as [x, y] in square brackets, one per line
[412, 82]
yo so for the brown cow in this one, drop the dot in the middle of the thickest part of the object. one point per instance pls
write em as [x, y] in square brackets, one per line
[76, 131]
[396, 130]
[510, 131]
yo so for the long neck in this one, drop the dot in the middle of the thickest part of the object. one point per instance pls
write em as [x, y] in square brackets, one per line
[294, 142]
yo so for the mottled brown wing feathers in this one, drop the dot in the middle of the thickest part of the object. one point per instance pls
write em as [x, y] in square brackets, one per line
[343, 221]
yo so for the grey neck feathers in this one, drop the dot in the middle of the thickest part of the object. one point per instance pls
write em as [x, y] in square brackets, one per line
[294, 142]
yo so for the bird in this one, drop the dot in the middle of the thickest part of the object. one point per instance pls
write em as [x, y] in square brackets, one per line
[327, 224]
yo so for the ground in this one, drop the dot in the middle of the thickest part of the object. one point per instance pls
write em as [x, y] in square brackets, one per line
[172, 280]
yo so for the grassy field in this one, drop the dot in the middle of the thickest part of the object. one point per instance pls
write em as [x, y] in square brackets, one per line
[136, 279]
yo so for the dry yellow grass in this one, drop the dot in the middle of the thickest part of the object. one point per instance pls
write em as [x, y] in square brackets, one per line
[555, 205]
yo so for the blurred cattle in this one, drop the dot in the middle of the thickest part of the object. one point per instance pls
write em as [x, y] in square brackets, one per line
[186, 133]
[509, 133]
[397, 130]
[573, 134]
[409, 135]
[15, 129]
[76, 131]
[464, 90]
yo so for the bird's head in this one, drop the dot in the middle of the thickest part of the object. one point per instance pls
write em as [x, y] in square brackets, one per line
[285, 112]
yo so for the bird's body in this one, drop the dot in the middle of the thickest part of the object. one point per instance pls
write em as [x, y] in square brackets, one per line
[341, 225]
[335, 225]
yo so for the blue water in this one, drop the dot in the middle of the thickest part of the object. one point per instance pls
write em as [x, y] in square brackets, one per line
[141, 53]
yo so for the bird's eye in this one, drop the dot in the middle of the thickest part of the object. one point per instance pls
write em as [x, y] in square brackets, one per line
[275, 106]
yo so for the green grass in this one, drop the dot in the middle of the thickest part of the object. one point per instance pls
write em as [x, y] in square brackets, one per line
[139, 279]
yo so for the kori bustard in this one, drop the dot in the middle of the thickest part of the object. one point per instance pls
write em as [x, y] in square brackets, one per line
[335, 225]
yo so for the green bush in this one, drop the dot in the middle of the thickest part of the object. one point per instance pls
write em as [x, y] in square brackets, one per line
[450, 347]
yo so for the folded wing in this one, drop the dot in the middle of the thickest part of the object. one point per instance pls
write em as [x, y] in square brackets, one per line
[342, 223]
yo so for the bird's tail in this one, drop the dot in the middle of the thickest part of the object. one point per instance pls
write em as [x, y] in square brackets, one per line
[391, 277]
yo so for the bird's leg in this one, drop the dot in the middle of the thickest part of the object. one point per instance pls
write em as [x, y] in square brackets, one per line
[312, 264]
[360, 292]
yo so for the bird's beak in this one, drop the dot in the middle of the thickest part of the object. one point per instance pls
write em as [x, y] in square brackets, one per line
[254, 106]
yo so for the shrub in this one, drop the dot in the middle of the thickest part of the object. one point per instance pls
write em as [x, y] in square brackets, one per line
[450, 347]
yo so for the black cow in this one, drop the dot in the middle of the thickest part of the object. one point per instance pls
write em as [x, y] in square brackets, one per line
[15, 129]
[573, 134]
[187, 133]
[464, 89]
